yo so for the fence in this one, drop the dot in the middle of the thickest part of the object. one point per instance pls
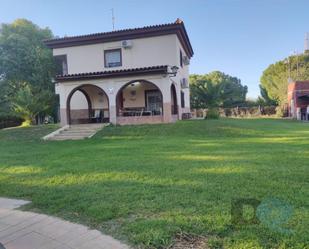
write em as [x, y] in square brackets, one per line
[5, 123]
[256, 111]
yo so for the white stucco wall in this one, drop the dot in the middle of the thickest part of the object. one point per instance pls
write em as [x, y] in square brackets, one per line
[153, 51]
[111, 88]
[78, 101]
[183, 72]
[138, 100]
[145, 52]
[98, 98]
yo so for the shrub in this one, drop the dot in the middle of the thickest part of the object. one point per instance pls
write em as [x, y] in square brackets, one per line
[280, 111]
[213, 113]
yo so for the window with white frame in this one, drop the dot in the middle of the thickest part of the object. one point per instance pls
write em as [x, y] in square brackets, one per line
[112, 58]
[61, 64]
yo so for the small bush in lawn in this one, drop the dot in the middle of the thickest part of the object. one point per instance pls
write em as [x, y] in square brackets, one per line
[215, 243]
[213, 113]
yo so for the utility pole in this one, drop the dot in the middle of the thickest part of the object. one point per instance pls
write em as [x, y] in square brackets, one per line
[297, 65]
[113, 19]
[296, 54]
[288, 63]
[306, 42]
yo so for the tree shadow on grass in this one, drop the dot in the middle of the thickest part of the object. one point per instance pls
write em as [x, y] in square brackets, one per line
[161, 207]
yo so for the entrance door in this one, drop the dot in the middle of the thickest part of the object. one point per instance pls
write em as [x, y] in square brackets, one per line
[154, 101]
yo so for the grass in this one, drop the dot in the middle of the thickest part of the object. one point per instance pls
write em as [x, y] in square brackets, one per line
[146, 184]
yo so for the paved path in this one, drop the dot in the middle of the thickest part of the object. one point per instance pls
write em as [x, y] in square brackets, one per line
[28, 230]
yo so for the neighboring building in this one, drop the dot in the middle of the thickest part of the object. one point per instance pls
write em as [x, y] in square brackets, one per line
[130, 76]
[298, 100]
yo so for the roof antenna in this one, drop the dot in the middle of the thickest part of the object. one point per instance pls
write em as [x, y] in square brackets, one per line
[113, 19]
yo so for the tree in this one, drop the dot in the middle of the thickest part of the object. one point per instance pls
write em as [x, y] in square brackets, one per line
[264, 99]
[28, 103]
[205, 93]
[24, 60]
[274, 81]
[216, 89]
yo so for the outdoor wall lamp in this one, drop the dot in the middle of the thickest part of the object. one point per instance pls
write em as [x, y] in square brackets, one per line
[174, 70]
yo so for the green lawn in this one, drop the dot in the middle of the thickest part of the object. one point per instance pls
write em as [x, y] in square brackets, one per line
[147, 184]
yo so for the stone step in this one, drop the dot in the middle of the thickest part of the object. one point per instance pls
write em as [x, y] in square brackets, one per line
[87, 126]
[74, 135]
[75, 132]
[84, 128]
[68, 137]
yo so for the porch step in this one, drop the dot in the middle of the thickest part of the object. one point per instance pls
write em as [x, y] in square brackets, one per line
[75, 132]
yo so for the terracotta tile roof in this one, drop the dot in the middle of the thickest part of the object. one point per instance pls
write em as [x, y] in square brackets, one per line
[177, 28]
[163, 69]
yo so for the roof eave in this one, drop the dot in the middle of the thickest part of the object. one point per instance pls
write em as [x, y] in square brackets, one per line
[113, 74]
[178, 29]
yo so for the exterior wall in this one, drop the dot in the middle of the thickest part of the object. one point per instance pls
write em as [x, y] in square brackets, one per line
[111, 88]
[153, 51]
[295, 90]
[79, 101]
[140, 120]
[174, 118]
[98, 100]
[145, 52]
[139, 99]
[79, 104]
[79, 114]
[183, 72]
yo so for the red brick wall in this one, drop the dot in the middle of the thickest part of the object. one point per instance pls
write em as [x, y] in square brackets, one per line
[297, 89]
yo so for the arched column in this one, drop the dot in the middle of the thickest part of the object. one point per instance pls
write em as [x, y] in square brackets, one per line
[112, 107]
[166, 92]
[135, 110]
[83, 89]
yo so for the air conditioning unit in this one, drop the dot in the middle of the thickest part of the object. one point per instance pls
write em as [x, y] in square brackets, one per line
[186, 60]
[127, 44]
[184, 83]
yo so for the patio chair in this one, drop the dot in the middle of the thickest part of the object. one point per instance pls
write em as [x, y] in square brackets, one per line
[97, 116]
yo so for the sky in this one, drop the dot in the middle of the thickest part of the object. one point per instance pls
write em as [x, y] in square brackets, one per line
[237, 37]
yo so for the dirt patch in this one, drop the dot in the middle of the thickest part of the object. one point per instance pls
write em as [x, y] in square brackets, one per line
[187, 241]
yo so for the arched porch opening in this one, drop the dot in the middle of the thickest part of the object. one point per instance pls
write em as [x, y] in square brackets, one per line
[174, 105]
[87, 104]
[139, 101]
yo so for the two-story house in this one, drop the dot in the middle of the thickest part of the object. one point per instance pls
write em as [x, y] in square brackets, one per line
[130, 76]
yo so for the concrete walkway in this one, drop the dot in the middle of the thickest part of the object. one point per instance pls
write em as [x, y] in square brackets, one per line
[28, 230]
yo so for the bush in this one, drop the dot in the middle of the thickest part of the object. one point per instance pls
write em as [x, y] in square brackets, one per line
[281, 111]
[213, 113]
